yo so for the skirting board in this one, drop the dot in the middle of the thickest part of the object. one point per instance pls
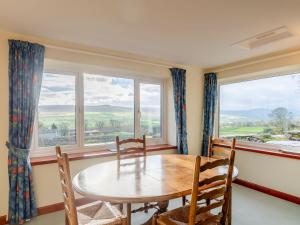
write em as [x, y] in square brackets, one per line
[2, 220]
[53, 208]
[269, 191]
[60, 206]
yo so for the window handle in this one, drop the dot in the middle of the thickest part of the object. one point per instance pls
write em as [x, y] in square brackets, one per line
[139, 114]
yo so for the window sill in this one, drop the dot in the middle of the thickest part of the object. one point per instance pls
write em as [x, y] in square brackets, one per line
[266, 151]
[35, 161]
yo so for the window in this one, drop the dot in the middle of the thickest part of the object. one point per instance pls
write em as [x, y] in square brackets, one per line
[108, 108]
[263, 111]
[150, 95]
[81, 111]
[56, 111]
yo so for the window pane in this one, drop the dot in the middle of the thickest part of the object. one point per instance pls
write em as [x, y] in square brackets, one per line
[150, 97]
[263, 111]
[108, 108]
[56, 111]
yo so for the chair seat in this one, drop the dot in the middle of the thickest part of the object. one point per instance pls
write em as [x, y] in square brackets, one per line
[180, 216]
[99, 213]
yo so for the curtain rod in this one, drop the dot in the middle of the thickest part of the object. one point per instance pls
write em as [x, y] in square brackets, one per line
[110, 56]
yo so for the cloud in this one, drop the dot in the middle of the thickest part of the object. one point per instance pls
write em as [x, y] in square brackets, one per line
[101, 90]
[268, 93]
[98, 90]
[57, 90]
[150, 95]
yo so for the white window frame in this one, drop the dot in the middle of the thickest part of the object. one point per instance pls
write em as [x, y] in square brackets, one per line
[37, 151]
[251, 77]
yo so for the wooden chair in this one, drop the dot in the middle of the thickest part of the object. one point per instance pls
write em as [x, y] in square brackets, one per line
[96, 213]
[216, 188]
[128, 148]
[220, 148]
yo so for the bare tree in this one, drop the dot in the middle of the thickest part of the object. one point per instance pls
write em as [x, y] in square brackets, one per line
[99, 125]
[64, 129]
[281, 118]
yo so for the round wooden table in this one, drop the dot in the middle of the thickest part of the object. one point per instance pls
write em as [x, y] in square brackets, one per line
[155, 178]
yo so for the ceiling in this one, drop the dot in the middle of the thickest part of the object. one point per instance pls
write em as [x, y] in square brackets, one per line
[196, 32]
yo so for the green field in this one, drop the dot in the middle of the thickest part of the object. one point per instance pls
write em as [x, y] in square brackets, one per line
[91, 119]
[59, 128]
[235, 131]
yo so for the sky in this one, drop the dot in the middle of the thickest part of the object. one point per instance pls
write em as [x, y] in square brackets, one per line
[267, 93]
[98, 90]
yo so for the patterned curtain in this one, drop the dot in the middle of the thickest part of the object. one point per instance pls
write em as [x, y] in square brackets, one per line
[178, 77]
[26, 62]
[210, 96]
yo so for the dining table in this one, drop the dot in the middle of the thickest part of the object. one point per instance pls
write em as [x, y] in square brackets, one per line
[147, 179]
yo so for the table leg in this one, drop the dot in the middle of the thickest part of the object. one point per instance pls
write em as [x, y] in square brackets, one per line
[163, 206]
[128, 213]
[183, 200]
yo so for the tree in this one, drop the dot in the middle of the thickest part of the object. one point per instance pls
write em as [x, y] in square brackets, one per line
[99, 125]
[116, 124]
[53, 126]
[64, 129]
[281, 118]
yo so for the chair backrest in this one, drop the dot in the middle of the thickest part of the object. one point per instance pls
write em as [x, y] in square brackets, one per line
[220, 148]
[125, 147]
[215, 191]
[66, 185]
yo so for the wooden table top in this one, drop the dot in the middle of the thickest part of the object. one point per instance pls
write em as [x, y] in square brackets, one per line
[143, 179]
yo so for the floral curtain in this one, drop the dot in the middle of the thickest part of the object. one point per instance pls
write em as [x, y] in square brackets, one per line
[210, 96]
[26, 61]
[178, 78]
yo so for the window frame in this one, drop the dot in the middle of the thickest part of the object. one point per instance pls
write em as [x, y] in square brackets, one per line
[80, 146]
[245, 78]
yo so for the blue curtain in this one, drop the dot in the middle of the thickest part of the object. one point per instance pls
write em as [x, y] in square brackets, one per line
[210, 97]
[178, 78]
[26, 62]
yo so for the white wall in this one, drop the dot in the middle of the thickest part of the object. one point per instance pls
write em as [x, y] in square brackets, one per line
[45, 176]
[278, 173]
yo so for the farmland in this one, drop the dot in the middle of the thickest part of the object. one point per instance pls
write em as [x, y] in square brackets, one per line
[260, 125]
[57, 127]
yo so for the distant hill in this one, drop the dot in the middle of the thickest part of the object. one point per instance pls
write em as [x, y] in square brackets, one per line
[252, 114]
[98, 108]
[258, 114]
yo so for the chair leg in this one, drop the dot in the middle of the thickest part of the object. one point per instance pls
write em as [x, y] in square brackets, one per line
[121, 207]
[183, 200]
[146, 207]
[229, 208]
[207, 201]
[66, 220]
[128, 213]
[154, 219]
[124, 221]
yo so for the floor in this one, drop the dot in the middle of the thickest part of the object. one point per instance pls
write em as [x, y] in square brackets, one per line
[249, 208]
